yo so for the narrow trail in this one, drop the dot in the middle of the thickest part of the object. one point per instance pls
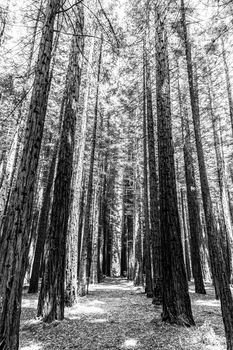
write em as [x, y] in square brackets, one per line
[117, 315]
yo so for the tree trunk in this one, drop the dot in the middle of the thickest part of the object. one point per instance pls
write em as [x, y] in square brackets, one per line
[138, 229]
[85, 263]
[228, 84]
[186, 236]
[194, 216]
[42, 226]
[78, 202]
[51, 298]
[216, 256]
[192, 199]
[146, 253]
[227, 243]
[15, 239]
[176, 301]
[153, 185]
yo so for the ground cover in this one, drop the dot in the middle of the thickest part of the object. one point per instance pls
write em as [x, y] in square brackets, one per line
[117, 315]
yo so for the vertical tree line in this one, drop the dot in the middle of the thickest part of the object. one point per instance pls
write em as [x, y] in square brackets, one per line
[103, 168]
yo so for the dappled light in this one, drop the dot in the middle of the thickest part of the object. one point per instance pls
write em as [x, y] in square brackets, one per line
[99, 320]
[32, 346]
[124, 319]
[211, 303]
[130, 343]
[85, 310]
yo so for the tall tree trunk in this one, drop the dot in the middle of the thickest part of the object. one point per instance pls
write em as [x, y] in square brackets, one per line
[15, 240]
[228, 84]
[124, 233]
[51, 298]
[153, 185]
[176, 301]
[192, 199]
[186, 236]
[42, 226]
[194, 216]
[147, 251]
[227, 243]
[138, 229]
[216, 257]
[85, 264]
[77, 206]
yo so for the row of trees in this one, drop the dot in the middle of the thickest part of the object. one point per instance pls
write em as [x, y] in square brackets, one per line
[103, 166]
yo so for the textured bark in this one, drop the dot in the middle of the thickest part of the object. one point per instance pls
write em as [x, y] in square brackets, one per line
[124, 236]
[42, 227]
[12, 163]
[77, 209]
[228, 84]
[153, 194]
[51, 298]
[138, 230]
[227, 238]
[176, 301]
[194, 216]
[85, 264]
[15, 238]
[146, 253]
[207, 204]
[9, 171]
[128, 199]
[192, 198]
[186, 236]
[216, 257]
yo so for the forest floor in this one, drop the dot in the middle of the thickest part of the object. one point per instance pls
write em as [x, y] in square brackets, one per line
[117, 315]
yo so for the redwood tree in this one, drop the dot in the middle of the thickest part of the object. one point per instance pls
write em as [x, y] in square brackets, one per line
[176, 301]
[51, 300]
[15, 239]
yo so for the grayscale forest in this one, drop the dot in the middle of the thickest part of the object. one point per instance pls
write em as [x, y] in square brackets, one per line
[116, 174]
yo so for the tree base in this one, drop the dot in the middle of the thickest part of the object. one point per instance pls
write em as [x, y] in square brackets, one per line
[180, 320]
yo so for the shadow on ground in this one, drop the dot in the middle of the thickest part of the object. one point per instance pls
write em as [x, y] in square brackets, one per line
[116, 315]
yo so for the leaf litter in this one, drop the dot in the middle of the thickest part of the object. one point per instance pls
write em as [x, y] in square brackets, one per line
[117, 315]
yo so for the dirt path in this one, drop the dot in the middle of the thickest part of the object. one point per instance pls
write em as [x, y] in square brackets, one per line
[116, 315]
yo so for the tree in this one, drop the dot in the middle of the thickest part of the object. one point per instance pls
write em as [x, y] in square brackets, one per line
[51, 300]
[42, 226]
[153, 192]
[15, 239]
[85, 264]
[218, 265]
[147, 252]
[194, 212]
[176, 301]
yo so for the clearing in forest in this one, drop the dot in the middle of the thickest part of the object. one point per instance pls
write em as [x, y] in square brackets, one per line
[117, 315]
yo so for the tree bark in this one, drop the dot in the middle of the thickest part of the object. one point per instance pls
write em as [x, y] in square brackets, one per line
[228, 84]
[147, 251]
[78, 202]
[227, 238]
[42, 227]
[51, 299]
[216, 256]
[153, 193]
[176, 301]
[194, 216]
[15, 239]
[85, 264]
